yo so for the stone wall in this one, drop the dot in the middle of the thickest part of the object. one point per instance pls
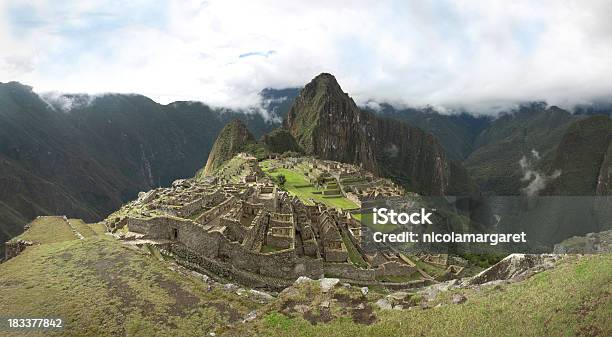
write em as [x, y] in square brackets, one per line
[14, 247]
[215, 212]
[154, 228]
[348, 271]
[281, 217]
[208, 266]
[353, 197]
[201, 241]
[235, 231]
[192, 207]
[192, 235]
[250, 208]
[255, 237]
[394, 269]
[213, 250]
[333, 255]
[279, 241]
[278, 264]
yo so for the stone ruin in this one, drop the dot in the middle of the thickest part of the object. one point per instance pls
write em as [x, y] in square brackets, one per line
[14, 248]
[251, 232]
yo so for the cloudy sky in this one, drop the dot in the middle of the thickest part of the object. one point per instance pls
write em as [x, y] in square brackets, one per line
[480, 55]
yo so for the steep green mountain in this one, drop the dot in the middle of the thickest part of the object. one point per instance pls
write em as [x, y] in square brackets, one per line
[456, 132]
[494, 163]
[84, 156]
[234, 138]
[327, 123]
[280, 141]
[583, 159]
[100, 287]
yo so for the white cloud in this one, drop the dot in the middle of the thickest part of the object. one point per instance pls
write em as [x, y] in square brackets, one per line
[480, 55]
[537, 180]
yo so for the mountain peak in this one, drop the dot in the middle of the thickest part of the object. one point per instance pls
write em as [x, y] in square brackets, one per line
[234, 138]
[321, 103]
[324, 82]
[326, 122]
[327, 77]
[236, 124]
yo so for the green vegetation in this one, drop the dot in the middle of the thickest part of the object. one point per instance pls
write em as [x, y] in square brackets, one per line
[482, 260]
[232, 140]
[98, 228]
[102, 288]
[280, 141]
[574, 299]
[429, 268]
[580, 155]
[48, 230]
[353, 254]
[367, 219]
[500, 146]
[233, 169]
[456, 132]
[270, 249]
[82, 227]
[297, 184]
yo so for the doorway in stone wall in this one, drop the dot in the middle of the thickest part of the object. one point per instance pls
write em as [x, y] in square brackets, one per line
[174, 233]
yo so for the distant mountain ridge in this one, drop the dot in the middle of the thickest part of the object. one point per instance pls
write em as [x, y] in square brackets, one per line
[583, 158]
[456, 132]
[86, 161]
[86, 155]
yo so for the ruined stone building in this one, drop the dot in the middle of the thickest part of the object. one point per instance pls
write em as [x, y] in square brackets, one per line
[251, 232]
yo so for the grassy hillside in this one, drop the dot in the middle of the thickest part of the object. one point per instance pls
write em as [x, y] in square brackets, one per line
[51, 229]
[574, 299]
[103, 288]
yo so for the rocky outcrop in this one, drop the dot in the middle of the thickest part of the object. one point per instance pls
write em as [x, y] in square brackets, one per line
[233, 139]
[515, 267]
[15, 247]
[327, 123]
[590, 244]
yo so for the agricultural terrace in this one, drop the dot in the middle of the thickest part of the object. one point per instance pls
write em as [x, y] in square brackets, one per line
[297, 184]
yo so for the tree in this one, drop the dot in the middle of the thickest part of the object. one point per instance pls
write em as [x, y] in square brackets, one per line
[320, 181]
[281, 179]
